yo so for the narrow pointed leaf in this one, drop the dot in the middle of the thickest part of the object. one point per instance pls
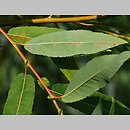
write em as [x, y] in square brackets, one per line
[93, 76]
[26, 33]
[20, 96]
[69, 43]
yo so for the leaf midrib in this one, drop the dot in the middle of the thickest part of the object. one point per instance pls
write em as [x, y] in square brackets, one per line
[21, 95]
[77, 42]
[82, 83]
[16, 35]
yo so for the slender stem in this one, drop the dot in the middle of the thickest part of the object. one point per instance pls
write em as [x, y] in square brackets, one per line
[14, 45]
[108, 32]
[49, 20]
[86, 24]
[56, 92]
[70, 19]
[115, 34]
[31, 67]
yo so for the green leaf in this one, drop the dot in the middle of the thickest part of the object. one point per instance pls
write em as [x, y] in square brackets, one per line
[93, 76]
[104, 103]
[68, 73]
[69, 43]
[46, 81]
[26, 33]
[20, 96]
[89, 104]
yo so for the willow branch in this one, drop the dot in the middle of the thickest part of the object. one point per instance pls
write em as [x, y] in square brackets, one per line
[48, 20]
[32, 68]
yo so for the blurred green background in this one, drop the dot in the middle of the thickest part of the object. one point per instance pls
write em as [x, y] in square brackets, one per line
[11, 64]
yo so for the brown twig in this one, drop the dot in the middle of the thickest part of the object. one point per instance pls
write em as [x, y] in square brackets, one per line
[48, 20]
[32, 68]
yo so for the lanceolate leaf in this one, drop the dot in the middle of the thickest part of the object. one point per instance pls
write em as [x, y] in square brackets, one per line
[26, 33]
[93, 76]
[108, 105]
[20, 96]
[69, 43]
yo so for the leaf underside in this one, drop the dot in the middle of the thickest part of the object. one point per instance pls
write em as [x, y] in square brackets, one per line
[20, 97]
[70, 43]
[93, 76]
